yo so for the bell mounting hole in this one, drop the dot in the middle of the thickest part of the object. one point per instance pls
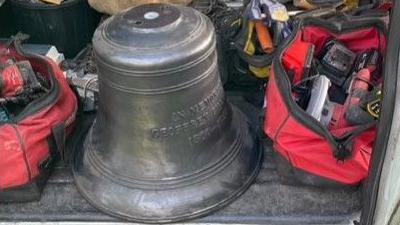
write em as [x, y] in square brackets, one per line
[138, 22]
[163, 7]
[151, 15]
[135, 22]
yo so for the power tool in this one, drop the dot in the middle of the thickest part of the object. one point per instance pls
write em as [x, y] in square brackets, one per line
[373, 103]
[19, 85]
[361, 105]
[368, 109]
[336, 62]
[349, 114]
[319, 97]
[369, 59]
[17, 78]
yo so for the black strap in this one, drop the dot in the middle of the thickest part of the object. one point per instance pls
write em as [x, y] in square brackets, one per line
[56, 147]
[58, 138]
[256, 60]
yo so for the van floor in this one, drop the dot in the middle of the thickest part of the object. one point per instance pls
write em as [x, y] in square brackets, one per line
[270, 200]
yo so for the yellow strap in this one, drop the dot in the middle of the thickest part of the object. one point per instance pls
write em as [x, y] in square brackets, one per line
[56, 2]
[262, 72]
[249, 47]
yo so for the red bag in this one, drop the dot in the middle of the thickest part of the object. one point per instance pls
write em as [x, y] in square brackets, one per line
[30, 142]
[342, 155]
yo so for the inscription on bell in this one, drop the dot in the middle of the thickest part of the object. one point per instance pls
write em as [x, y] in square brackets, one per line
[201, 106]
[208, 131]
[195, 116]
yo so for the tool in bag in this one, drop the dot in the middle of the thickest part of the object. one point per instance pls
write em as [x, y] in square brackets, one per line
[336, 151]
[87, 88]
[367, 110]
[19, 84]
[273, 14]
[366, 75]
[302, 88]
[336, 62]
[249, 49]
[37, 112]
[349, 111]
[320, 12]
[318, 4]
[370, 59]
[319, 97]
[372, 103]
[81, 74]
[264, 37]
[329, 9]
[265, 23]
[16, 78]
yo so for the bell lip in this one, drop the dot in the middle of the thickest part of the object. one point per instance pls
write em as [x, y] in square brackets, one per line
[257, 149]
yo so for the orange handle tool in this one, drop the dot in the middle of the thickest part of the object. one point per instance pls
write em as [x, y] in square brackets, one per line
[264, 37]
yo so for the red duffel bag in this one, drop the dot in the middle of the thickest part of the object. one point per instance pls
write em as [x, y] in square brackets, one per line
[303, 142]
[31, 141]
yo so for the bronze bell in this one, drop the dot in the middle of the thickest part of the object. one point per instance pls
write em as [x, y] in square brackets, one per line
[165, 145]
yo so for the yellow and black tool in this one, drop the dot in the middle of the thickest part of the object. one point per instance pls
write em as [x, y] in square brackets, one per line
[374, 104]
[263, 38]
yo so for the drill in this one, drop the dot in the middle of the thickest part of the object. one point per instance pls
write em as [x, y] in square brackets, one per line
[17, 78]
[351, 112]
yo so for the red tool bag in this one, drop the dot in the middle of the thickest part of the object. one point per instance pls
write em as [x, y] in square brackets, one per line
[33, 139]
[341, 155]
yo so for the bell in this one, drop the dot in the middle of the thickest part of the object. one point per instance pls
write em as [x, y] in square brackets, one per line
[165, 145]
